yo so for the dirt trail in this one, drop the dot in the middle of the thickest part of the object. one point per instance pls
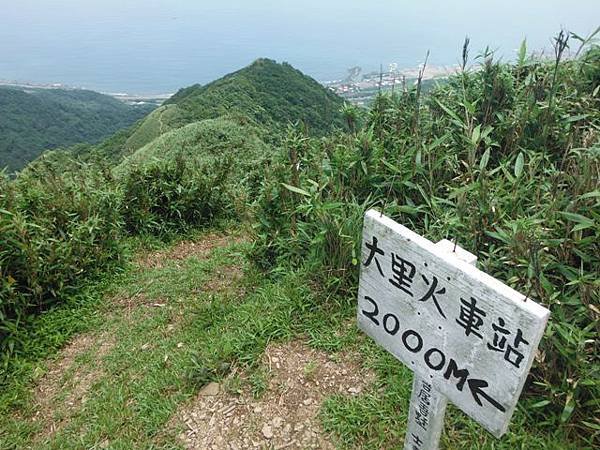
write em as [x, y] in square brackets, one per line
[187, 249]
[68, 378]
[296, 379]
[285, 415]
[63, 388]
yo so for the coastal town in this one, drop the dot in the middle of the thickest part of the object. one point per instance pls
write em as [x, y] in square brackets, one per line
[360, 88]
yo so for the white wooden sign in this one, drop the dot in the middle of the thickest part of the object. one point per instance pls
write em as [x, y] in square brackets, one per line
[465, 334]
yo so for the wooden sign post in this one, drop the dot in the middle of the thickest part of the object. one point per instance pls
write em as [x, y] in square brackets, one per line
[468, 337]
[427, 405]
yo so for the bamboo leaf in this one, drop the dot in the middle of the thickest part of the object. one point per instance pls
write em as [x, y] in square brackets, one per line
[541, 404]
[408, 210]
[590, 194]
[295, 189]
[519, 165]
[484, 160]
[582, 226]
[577, 118]
[522, 52]
[450, 112]
[594, 426]
[577, 218]
[476, 135]
[568, 409]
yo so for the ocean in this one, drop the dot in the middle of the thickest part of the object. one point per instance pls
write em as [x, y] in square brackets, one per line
[159, 46]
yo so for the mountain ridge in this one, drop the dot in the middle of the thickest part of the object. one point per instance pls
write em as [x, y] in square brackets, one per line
[265, 93]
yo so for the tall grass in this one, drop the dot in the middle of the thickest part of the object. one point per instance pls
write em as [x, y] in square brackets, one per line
[63, 223]
[506, 162]
[504, 159]
[170, 196]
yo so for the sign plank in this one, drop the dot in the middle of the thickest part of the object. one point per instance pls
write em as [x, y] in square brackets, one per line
[471, 336]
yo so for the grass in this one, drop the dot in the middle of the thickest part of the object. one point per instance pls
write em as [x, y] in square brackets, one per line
[504, 159]
[161, 352]
[159, 336]
[377, 419]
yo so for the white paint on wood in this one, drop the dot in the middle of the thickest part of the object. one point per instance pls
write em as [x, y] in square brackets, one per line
[457, 251]
[427, 404]
[457, 362]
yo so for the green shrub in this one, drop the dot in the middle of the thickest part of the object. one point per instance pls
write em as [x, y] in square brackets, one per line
[172, 195]
[58, 228]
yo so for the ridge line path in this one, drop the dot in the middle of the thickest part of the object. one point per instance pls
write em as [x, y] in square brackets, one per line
[183, 358]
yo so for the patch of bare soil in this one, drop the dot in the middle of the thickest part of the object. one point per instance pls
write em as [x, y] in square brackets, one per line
[224, 278]
[285, 415]
[200, 249]
[62, 390]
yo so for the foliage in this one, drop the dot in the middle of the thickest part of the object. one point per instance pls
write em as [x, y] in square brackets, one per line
[172, 195]
[39, 119]
[154, 125]
[266, 92]
[190, 176]
[506, 160]
[206, 139]
[58, 228]
[62, 221]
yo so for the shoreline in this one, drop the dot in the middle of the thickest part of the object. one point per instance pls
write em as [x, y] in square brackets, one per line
[409, 73]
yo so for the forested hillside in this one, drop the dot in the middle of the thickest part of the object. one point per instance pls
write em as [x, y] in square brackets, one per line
[33, 120]
[266, 92]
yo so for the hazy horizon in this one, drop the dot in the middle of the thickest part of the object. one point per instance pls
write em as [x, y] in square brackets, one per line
[154, 46]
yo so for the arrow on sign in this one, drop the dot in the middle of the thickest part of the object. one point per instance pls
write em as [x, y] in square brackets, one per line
[476, 386]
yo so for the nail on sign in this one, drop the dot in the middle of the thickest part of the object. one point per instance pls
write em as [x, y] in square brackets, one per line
[468, 335]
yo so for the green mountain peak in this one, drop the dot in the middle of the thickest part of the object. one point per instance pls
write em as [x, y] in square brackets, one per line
[267, 94]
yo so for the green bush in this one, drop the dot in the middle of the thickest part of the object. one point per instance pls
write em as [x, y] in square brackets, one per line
[165, 196]
[62, 222]
[186, 177]
[58, 228]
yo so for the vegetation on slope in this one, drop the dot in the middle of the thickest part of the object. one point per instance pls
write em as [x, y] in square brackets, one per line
[192, 175]
[505, 159]
[197, 311]
[265, 94]
[222, 137]
[268, 93]
[36, 120]
[63, 221]
[206, 170]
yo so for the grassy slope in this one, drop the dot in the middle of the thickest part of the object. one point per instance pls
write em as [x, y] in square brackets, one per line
[201, 139]
[144, 360]
[36, 120]
[267, 92]
[506, 161]
[138, 391]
